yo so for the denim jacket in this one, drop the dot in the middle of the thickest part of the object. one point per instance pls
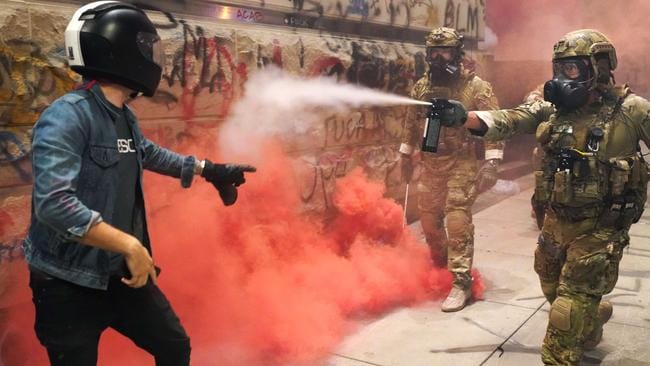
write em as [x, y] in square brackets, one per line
[75, 161]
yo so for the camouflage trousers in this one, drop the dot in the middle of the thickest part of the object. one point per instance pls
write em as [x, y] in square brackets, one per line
[447, 190]
[577, 263]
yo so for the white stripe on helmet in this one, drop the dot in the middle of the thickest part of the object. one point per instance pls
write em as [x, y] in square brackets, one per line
[73, 31]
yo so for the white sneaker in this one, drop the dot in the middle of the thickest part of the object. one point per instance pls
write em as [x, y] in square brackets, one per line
[457, 299]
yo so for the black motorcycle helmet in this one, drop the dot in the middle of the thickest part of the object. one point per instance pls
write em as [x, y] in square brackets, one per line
[115, 41]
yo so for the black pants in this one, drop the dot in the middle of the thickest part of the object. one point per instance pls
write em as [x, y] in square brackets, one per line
[71, 318]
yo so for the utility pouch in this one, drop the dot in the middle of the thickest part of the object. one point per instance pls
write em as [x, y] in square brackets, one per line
[588, 186]
[630, 214]
[621, 213]
[612, 213]
[635, 180]
[562, 190]
[619, 175]
[543, 187]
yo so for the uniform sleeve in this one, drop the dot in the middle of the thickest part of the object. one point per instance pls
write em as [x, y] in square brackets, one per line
[502, 124]
[638, 109]
[487, 100]
[413, 127]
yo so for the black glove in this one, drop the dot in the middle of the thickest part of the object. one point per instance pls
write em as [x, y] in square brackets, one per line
[454, 115]
[406, 162]
[226, 178]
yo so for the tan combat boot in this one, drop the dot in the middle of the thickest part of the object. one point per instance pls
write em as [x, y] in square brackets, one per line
[457, 299]
[605, 311]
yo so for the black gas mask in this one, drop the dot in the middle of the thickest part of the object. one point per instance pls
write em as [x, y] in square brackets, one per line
[443, 64]
[571, 84]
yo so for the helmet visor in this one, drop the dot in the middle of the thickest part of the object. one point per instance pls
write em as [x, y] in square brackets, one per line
[151, 47]
[574, 69]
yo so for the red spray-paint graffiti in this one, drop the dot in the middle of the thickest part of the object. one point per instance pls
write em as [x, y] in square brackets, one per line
[217, 67]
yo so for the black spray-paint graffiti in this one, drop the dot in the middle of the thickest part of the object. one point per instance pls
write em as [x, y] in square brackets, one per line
[315, 6]
[454, 16]
[379, 163]
[372, 9]
[199, 48]
[366, 127]
[366, 68]
[328, 168]
[370, 68]
[35, 74]
[12, 151]
[28, 83]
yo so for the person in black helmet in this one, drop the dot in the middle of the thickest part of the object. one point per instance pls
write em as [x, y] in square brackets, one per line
[88, 249]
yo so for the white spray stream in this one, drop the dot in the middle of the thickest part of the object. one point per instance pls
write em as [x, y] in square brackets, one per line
[276, 103]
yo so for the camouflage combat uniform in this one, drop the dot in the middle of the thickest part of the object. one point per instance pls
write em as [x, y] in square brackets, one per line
[590, 205]
[447, 186]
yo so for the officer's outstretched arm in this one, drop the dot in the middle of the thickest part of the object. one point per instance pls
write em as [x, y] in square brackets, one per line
[502, 124]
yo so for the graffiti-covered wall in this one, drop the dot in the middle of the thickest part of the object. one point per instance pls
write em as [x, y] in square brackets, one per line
[208, 65]
[468, 16]
[208, 62]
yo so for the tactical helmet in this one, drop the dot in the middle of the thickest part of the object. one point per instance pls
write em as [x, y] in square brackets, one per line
[117, 42]
[443, 55]
[444, 37]
[587, 43]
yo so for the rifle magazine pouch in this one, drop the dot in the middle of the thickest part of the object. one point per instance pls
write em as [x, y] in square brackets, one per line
[542, 187]
[562, 190]
[618, 177]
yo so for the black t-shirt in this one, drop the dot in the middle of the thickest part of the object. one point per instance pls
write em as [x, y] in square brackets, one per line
[128, 192]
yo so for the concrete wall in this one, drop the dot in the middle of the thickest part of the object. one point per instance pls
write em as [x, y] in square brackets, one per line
[207, 64]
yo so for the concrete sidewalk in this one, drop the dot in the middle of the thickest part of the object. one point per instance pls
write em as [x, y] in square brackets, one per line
[507, 327]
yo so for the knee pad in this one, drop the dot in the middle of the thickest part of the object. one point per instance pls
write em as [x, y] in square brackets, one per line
[459, 224]
[560, 316]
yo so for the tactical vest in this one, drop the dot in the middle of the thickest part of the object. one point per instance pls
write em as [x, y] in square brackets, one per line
[583, 174]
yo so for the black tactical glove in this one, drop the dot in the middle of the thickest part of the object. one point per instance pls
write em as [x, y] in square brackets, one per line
[406, 165]
[226, 178]
[454, 115]
[487, 175]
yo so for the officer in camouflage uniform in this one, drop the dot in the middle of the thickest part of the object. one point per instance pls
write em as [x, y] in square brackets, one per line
[592, 181]
[448, 184]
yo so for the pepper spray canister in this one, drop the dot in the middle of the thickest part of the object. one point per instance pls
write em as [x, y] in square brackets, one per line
[432, 126]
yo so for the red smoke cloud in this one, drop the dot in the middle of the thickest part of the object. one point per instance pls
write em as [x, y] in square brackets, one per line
[258, 283]
[527, 31]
